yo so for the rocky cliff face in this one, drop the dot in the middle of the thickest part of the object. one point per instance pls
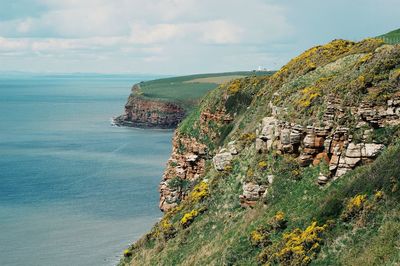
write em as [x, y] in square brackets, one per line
[186, 164]
[148, 113]
[266, 164]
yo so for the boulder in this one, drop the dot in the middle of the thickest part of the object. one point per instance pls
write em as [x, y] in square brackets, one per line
[268, 127]
[354, 150]
[232, 148]
[252, 192]
[285, 136]
[221, 160]
[322, 179]
[191, 157]
[371, 150]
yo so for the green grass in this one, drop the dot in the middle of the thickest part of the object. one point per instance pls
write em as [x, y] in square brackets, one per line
[392, 37]
[186, 90]
[221, 234]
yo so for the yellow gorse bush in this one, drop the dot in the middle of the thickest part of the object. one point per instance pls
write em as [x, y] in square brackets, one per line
[165, 229]
[308, 95]
[199, 192]
[260, 237]
[188, 218]
[299, 247]
[354, 206]
[248, 137]
[234, 87]
[379, 195]
[278, 221]
[262, 164]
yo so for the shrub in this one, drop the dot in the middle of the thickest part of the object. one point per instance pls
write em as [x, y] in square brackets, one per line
[166, 229]
[378, 196]
[364, 59]
[234, 87]
[263, 165]
[179, 184]
[199, 192]
[299, 247]
[278, 221]
[260, 237]
[290, 167]
[127, 253]
[396, 74]
[308, 95]
[248, 137]
[354, 207]
[188, 218]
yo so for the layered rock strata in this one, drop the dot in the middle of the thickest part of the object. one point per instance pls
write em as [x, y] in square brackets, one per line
[147, 113]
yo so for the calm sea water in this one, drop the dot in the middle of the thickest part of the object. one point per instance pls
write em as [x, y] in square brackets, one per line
[73, 189]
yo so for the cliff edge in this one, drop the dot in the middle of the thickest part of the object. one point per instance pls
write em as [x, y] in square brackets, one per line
[149, 113]
[163, 103]
[297, 168]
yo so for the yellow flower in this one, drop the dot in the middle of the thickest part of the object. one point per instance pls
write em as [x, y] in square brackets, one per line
[199, 192]
[378, 195]
[188, 218]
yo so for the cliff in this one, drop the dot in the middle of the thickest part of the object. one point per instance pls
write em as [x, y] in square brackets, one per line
[294, 169]
[163, 103]
[148, 113]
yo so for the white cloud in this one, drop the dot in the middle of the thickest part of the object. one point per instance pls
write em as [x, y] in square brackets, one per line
[149, 31]
[146, 34]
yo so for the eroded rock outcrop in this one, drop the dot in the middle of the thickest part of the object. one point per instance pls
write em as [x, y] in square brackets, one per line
[331, 143]
[147, 113]
[187, 163]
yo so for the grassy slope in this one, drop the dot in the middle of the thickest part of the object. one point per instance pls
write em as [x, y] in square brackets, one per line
[188, 89]
[221, 235]
[392, 37]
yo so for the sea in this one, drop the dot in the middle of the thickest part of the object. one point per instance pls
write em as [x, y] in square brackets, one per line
[74, 190]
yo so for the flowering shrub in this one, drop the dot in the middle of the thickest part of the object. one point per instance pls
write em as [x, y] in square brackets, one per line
[234, 87]
[308, 95]
[248, 137]
[260, 237]
[249, 173]
[262, 165]
[127, 253]
[165, 229]
[228, 168]
[354, 206]
[278, 221]
[199, 192]
[379, 195]
[188, 218]
[297, 247]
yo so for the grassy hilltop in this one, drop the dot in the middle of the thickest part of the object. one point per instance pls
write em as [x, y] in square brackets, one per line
[163, 103]
[299, 168]
[392, 37]
[188, 90]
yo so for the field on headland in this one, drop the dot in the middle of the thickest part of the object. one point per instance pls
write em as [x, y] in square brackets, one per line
[187, 90]
[392, 37]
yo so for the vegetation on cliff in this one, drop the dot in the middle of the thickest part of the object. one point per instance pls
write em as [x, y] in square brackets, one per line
[392, 37]
[294, 169]
[163, 103]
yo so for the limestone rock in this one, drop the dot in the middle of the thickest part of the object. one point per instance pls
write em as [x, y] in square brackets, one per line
[371, 150]
[322, 179]
[221, 160]
[232, 148]
[252, 192]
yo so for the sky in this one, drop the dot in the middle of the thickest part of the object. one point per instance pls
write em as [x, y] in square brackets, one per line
[178, 36]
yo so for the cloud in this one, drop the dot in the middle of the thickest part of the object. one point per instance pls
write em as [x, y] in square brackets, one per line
[176, 35]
